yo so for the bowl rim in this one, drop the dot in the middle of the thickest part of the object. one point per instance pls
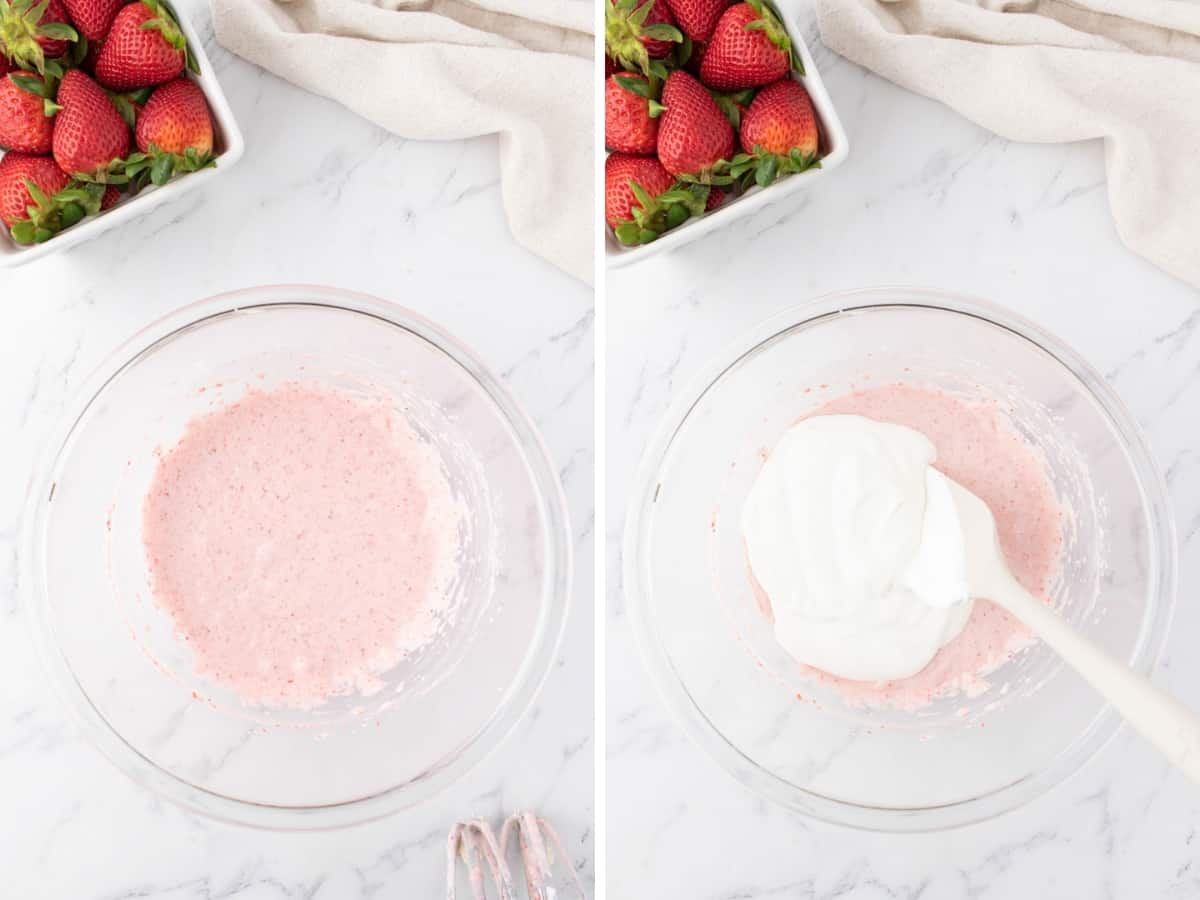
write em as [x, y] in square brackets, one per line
[518, 698]
[1105, 725]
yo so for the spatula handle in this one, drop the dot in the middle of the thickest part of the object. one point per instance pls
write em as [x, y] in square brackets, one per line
[1160, 718]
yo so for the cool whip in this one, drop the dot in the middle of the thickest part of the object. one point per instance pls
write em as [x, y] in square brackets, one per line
[855, 539]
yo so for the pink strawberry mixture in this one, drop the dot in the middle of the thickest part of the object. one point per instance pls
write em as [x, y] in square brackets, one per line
[978, 447]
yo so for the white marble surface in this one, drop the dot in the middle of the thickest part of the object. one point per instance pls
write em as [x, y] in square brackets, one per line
[320, 197]
[926, 198]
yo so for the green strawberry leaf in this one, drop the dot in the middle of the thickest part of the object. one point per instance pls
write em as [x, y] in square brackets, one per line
[768, 171]
[162, 170]
[22, 231]
[29, 84]
[638, 86]
[38, 195]
[684, 52]
[79, 51]
[35, 13]
[676, 215]
[663, 32]
[732, 111]
[626, 233]
[657, 69]
[70, 214]
[59, 31]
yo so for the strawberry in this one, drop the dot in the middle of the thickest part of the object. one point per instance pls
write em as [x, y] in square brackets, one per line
[749, 48]
[631, 114]
[779, 134]
[694, 134]
[638, 33]
[642, 200]
[25, 122]
[144, 47]
[93, 18]
[4, 65]
[89, 133]
[15, 196]
[781, 119]
[112, 196]
[174, 134]
[619, 170]
[697, 18]
[716, 197]
[176, 119]
[32, 31]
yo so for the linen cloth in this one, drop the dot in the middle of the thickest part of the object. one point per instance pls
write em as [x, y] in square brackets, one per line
[452, 69]
[1125, 71]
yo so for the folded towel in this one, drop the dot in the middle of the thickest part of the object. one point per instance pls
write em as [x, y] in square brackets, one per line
[1127, 71]
[451, 69]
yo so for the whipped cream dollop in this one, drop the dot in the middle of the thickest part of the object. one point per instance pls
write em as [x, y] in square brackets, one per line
[856, 540]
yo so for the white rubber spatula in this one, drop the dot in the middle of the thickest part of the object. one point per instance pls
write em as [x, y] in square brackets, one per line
[1161, 719]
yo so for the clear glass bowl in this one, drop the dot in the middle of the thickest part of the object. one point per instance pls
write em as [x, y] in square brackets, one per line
[711, 651]
[113, 654]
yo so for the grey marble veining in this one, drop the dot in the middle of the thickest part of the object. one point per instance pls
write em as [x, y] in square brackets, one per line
[925, 198]
[323, 197]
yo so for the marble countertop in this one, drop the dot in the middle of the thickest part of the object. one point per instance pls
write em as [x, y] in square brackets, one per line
[926, 198]
[323, 197]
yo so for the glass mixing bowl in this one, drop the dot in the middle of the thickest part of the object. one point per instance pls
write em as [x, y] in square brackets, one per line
[113, 654]
[711, 651]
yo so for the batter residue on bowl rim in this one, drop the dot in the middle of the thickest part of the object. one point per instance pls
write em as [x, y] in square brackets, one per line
[302, 540]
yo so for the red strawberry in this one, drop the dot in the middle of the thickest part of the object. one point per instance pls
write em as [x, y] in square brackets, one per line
[619, 170]
[30, 34]
[15, 198]
[780, 133]
[642, 200]
[93, 18]
[630, 114]
[176, 119]
[697, 18]
[89, 133]
[749, 48]
[144, 47]
[24, 125]
[4, 65]
[696, 57]
[609, 65]
[716, 197]
[638, 31]
[694, 134]
[781, 119]
[111, 197]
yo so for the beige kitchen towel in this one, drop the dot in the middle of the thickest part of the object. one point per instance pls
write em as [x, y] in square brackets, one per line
[1126, 71]
[452, 69]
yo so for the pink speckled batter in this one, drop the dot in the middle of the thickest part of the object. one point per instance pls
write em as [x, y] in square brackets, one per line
[301, 539]
[978, 447]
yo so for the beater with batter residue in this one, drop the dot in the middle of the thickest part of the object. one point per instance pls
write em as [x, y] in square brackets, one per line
[475, 842]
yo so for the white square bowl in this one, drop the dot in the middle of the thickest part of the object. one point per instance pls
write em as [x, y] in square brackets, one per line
[228, 147]
[832, 133]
